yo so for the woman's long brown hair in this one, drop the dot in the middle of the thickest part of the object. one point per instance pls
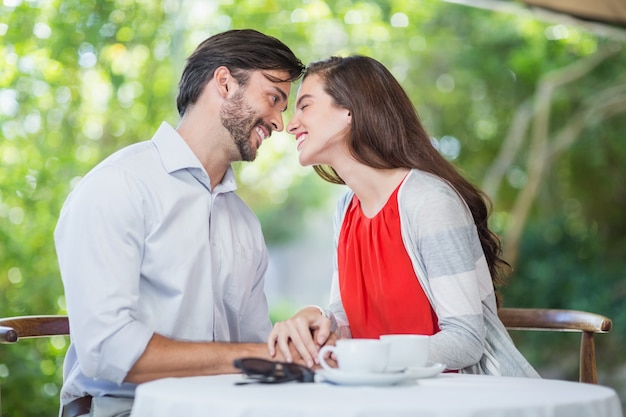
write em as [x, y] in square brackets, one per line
[387, 133]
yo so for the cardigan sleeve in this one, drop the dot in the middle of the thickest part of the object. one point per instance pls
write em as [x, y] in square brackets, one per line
[336, 306]
[442, 241]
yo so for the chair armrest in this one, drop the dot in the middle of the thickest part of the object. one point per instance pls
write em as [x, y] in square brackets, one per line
[554, 319]
[7, 335]
[33, 326]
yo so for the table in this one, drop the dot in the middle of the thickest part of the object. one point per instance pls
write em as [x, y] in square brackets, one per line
[447, 395]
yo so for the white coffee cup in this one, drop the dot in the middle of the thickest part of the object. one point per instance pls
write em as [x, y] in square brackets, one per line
[357, 355]
[407, 351]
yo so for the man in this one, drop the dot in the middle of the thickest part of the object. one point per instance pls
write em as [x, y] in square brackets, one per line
[163, 264]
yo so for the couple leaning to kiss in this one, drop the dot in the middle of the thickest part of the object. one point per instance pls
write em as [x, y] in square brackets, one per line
[163, 265]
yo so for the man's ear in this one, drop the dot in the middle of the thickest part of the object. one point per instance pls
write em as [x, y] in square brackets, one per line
[224, 81]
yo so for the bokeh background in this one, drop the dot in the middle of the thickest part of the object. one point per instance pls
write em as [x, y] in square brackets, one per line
[530, 107]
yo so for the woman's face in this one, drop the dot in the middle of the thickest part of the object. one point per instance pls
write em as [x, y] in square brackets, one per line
[319, 125]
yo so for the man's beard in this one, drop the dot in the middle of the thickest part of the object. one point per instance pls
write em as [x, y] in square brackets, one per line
[239, 119]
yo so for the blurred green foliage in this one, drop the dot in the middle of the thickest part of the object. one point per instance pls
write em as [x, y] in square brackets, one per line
[82, 78]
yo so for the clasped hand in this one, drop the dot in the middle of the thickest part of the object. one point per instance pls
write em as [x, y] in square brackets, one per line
[307, 331]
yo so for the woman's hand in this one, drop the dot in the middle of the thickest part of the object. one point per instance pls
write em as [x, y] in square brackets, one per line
[307, 330]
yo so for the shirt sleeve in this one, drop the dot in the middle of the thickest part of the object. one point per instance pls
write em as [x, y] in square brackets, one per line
[99, 243]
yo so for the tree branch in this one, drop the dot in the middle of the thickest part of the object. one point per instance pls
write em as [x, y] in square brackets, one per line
[540, 151]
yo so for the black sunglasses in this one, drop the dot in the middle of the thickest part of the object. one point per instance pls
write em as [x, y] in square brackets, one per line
[269, 372]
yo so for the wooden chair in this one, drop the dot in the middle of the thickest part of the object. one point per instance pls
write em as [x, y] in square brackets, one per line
[566, 321]
[14, 328]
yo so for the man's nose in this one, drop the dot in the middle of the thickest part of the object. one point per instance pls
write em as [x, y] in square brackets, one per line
[277, 122]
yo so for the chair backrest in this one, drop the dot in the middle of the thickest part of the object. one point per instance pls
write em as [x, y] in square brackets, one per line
[566, 321]
[14, 328]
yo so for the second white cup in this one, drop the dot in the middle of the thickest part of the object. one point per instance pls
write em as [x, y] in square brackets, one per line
[357, 355]
[407, 351]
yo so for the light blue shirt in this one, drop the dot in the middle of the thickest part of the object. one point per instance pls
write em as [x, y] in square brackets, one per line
[144, 245]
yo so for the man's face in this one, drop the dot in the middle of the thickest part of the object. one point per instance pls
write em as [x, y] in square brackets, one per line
[254, 111]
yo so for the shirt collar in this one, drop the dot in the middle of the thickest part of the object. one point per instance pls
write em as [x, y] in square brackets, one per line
[176, 155]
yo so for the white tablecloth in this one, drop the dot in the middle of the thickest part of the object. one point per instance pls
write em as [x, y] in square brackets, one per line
[447, 395]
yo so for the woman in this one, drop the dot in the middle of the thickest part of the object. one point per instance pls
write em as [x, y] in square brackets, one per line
[414, 253]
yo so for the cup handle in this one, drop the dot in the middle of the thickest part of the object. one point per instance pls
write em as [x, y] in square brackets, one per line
[322, 357]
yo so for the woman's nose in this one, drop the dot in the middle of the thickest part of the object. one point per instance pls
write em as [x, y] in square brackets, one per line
[292, 125]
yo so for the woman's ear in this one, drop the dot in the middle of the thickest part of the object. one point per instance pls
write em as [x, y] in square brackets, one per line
[349, 117]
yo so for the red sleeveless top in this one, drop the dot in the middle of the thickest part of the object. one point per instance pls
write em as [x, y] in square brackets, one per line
[380, 291]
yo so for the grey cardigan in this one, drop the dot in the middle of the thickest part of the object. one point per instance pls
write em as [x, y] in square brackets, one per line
[441, 239]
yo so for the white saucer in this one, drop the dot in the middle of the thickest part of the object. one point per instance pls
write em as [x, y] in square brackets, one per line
[383, 378]
[431, 369]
